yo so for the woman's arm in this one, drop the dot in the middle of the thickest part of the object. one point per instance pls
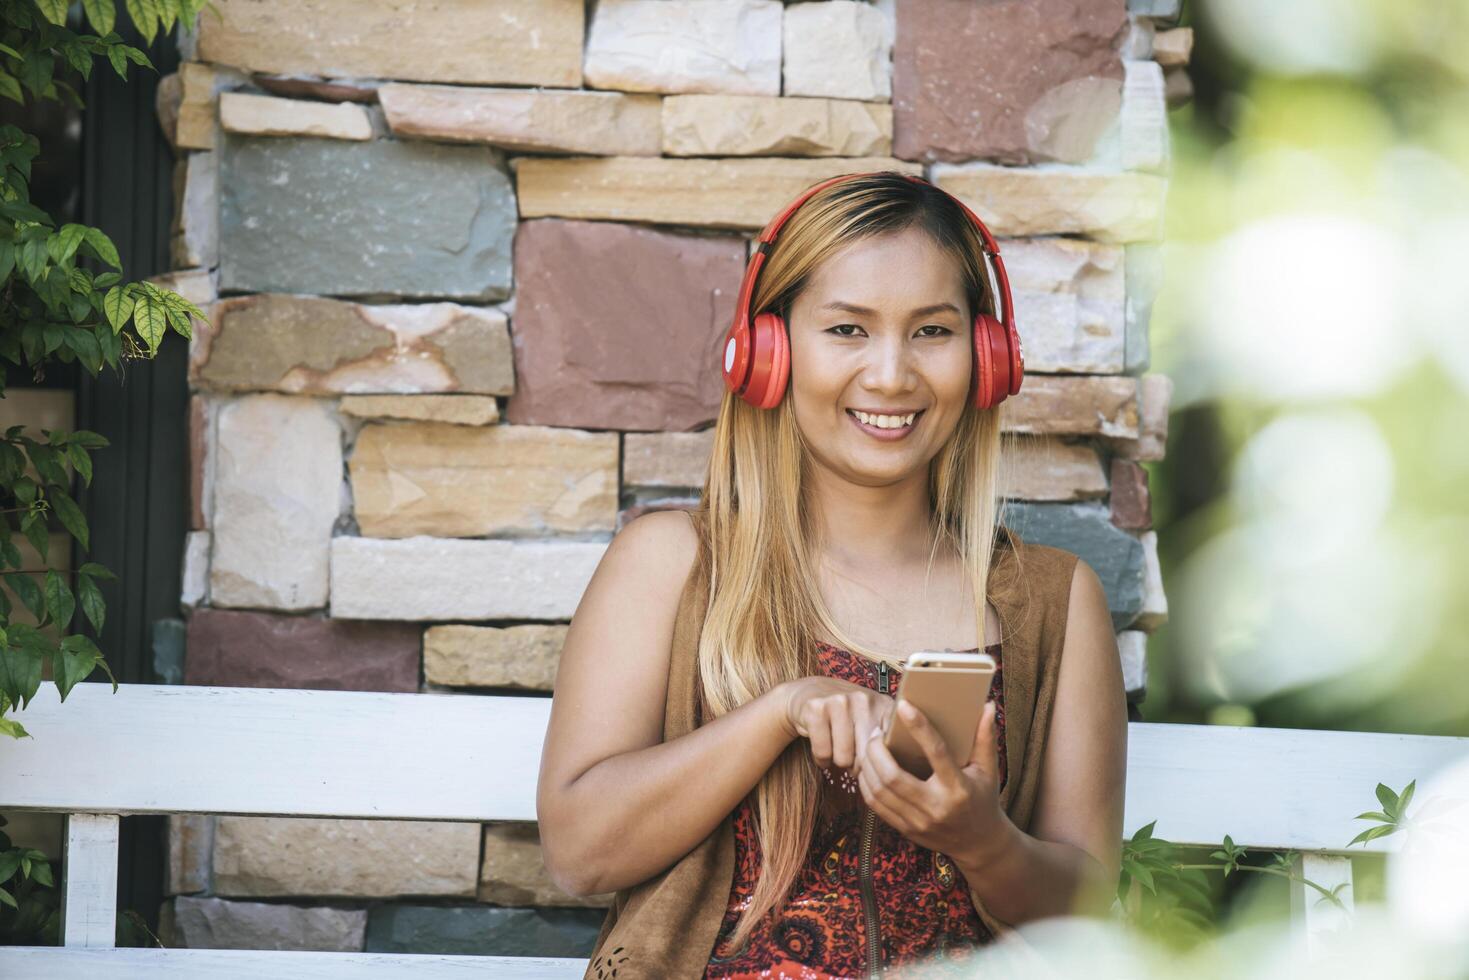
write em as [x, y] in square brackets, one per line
[616, 805]
[1070, 862]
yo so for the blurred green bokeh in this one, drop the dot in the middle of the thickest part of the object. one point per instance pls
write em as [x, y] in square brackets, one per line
[1313, 508]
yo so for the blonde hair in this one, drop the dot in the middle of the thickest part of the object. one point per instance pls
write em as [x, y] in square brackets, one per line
[765, 609]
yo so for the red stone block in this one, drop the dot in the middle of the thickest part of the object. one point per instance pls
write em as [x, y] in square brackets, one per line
[236, 648]
[620, 326]
[1132, 505]
[1014, 81]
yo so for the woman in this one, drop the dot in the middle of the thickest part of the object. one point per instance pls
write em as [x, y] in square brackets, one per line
[709, 755]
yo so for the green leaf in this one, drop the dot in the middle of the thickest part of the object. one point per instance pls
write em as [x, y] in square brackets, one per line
[74, 662]
[100, 14]
[90, 597]
[20, 673]
[118, 305]
[102, 247]
[1388, 799]
[59, 600]
[63, 244]
[41, 872]
[48, 464]
[70, 515]
[80, 458]
[7, 899]
[89, 439]
[118, 60]
[33, 526]
[150, 319]
[1405, 798]
[54, 11]
[13, 728]
[84, 345]
[1373, 815]
[33, 258]
[97, 571]
[145, 17]
[7, 259]
[9, 864]
[105, 280]
[1372, 833]
[179, 320]
[10, 88]
[29, 592]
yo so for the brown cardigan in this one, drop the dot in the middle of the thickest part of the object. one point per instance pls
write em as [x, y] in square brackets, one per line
[665, 927]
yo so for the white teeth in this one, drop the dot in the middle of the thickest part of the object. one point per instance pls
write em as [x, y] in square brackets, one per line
[886, 421]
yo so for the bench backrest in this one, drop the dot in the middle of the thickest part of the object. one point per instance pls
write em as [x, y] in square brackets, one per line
[404, 756]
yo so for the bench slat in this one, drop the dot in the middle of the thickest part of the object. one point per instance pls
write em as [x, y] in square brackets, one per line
[66, 963]
[89, 888]
[173, 749]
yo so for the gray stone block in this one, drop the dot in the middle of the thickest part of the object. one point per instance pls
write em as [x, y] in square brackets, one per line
[1086, 530]
[376, 219]
[1161, 9]
[483, 930]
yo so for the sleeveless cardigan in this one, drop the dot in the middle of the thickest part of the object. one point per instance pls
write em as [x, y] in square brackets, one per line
[666, 926]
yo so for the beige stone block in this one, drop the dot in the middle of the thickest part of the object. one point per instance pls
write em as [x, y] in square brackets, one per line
[481, 42]
[190, 842]
[1056, 199]
[1173, 48]
[1070, 303]
[839, 48]
[455, 481]
[277, 493]
[217, 923]
[186, 103]
[764, 125]
[267, 115]
[321, 346]
[1132, 646]
[1154, 612]
[1090, 405]
[454, 409]
[423, 578]
[1155, 395]
[533, 120]
[514, 871]
[259, 856]
[195, 229]
[685, 46]
[523, 656]
[1051, 469]
[672, 460]
[743, 194]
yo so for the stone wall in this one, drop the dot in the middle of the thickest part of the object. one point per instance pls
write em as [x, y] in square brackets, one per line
[468, 275]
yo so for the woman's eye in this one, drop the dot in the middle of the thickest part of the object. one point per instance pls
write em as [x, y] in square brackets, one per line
[938, 331]
[844, 329]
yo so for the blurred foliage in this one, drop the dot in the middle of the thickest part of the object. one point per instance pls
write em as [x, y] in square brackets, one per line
[1311, 508]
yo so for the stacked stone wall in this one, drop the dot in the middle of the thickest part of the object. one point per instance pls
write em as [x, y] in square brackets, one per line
[468, 272]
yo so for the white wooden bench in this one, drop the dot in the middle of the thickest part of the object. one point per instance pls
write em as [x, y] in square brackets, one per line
[219, 750]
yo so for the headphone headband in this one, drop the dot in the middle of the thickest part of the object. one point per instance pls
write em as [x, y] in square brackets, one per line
[741, 370]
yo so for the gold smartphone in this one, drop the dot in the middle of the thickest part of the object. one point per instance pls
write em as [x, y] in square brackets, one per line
[951, 690]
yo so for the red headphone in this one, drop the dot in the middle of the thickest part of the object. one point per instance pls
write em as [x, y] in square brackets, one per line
[757, 356]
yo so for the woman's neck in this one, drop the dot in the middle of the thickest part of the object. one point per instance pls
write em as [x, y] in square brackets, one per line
[862, 526]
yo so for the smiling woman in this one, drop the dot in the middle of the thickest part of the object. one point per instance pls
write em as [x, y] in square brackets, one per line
[738, 659]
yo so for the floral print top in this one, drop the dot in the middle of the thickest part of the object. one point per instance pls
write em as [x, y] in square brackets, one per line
[918, 897]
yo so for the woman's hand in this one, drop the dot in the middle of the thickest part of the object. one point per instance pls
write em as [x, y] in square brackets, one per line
[956, 809]
[835, 715]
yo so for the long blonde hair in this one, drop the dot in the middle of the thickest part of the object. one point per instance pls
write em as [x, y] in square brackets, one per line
[765, 607]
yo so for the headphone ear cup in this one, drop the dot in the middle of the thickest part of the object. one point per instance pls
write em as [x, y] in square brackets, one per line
[991, 362]
[770, 361]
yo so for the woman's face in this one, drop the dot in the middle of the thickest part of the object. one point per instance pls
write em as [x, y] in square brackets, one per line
[880, 357]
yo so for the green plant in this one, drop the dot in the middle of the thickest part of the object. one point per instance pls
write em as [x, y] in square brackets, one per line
[64, 297]
[1174, 900]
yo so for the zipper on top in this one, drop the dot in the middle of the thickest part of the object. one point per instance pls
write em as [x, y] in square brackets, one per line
[869, 899]
[882, 677]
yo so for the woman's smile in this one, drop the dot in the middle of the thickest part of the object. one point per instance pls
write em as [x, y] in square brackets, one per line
[887, 426]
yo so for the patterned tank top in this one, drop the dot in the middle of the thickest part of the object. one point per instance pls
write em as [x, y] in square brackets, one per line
[868, 900]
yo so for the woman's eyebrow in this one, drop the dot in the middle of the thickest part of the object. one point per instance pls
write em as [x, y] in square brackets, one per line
[863, 310]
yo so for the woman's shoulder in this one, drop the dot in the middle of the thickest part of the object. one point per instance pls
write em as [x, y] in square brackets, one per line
[662, 544]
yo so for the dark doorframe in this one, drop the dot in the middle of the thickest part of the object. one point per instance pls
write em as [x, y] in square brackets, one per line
[137, 506]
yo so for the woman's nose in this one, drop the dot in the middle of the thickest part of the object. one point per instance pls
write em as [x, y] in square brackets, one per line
[889, 367]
